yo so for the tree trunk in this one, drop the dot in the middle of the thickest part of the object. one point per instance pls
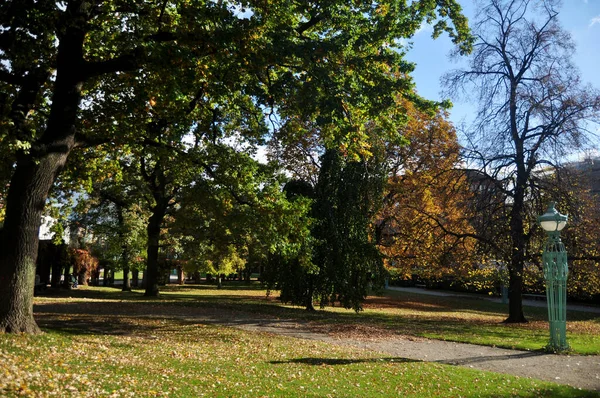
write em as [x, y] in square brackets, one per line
[30, 184]
[517, 232]
[25, 202]
[66, 275]
[46, 254]
[56, 268]
[96, 277]
[515, 296]
[82, 278]
[59, 262]
[180, 275]
[135, 275]
[517, 260]
[126, 281]
[151, 274]
[310, 294]
[105, 275]
[125, 249]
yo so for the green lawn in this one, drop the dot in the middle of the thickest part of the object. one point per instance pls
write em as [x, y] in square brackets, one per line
[467, 320]
[103, 342]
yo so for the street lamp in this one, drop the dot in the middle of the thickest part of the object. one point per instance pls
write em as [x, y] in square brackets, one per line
[556, 270]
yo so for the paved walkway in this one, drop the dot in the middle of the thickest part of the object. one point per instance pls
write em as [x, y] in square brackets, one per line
[576, 371]
[530, 303]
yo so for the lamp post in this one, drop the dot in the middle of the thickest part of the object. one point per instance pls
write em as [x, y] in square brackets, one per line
[554, 259]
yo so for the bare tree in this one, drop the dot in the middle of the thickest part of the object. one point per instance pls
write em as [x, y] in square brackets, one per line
[532, 110]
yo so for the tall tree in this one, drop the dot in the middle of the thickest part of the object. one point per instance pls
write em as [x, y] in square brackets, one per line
[532, 109]
[109, 208]
[338, 262]
[347, 199]
[335, 56]
[423, 227]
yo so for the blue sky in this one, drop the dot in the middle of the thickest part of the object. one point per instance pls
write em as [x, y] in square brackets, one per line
[579, 17]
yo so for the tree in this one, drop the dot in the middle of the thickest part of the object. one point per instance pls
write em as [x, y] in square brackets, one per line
[573, 187]
[532, 108]
[39, 38]
[423, 226]
[111, 217]
[347, 198]
[337, 261]
[239, 216]
[335, 59]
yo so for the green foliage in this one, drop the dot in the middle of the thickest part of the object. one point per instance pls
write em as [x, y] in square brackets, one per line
[348, 196]
[170, 88]
[234, 219]
[293, 272]
[218, 260]
[344, 263]
[107, 229]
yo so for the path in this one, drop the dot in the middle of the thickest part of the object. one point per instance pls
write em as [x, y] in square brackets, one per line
[530, 303]
[577, 371]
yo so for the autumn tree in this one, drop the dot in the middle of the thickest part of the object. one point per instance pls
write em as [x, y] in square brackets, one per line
[83, 263]
[423, 227]
[532, 108]
[573, 187]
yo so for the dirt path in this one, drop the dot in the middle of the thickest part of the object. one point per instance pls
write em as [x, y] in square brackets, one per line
[577, 371]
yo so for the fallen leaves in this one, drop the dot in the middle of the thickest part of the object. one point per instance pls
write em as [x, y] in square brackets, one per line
[99, 348]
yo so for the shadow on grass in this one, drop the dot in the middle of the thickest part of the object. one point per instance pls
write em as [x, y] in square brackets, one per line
[114, 325]
[479, 359]
[87, 325]
[341, 361]
[93, 293]
[120, 317]
[116, 302]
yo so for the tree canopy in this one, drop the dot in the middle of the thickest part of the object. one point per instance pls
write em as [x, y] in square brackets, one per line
[78, 73]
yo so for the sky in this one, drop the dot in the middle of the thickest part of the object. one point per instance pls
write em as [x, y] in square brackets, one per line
[581, 18]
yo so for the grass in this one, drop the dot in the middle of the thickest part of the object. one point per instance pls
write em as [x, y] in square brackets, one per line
[103, 342]
[466, 320]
